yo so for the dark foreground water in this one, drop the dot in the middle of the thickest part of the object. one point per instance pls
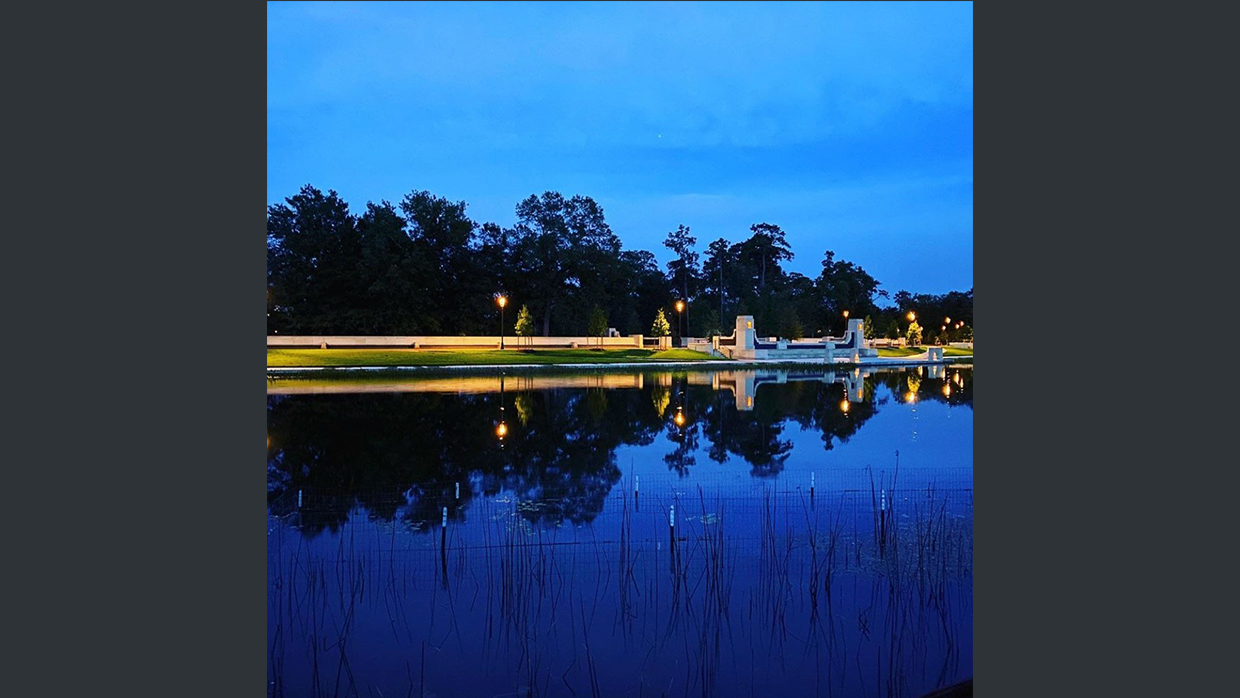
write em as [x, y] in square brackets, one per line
[740, 533]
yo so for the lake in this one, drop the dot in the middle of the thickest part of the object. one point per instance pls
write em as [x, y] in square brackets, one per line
[649, 533]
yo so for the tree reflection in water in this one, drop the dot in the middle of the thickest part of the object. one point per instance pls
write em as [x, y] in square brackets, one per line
[397, 449]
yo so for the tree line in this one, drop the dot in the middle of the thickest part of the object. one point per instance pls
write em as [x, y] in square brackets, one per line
[423, 267]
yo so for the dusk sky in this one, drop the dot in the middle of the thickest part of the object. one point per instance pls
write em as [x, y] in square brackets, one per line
[848, 125]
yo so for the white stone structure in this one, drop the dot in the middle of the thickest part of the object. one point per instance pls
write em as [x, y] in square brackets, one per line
[744, 344]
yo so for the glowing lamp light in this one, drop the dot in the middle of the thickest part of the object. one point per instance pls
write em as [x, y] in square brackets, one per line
[947, 391]
[845, 313]
[679, 418]
[749, 402]
[680, 305]
[749, 325]
[910, 397]
[844, 406]
[502, 300]
[912, 316]
[947, 320]
[502, 430]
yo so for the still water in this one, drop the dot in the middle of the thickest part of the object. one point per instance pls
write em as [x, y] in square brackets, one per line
[728, 533]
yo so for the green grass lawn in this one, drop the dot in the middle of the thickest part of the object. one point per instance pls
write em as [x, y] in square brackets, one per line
[473, 357]
[901, 352]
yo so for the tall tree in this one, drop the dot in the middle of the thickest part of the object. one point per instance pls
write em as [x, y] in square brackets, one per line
[444, 235]
[685, 266]
[312, 250]
[398, 293]
[769, 246]
[844, 286]
[712, 273]
[562, 242]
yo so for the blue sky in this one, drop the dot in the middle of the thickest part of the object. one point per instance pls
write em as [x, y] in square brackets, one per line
[848, 125]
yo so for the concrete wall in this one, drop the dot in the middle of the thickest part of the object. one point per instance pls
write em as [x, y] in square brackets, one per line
[483, 342]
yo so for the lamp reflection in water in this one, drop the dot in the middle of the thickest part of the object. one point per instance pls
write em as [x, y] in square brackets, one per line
[844, 406]
[501, 430]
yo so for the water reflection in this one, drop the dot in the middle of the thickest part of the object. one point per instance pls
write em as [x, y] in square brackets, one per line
[400, 448]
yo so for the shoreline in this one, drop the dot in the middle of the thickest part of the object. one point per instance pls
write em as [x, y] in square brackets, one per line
[890, 362]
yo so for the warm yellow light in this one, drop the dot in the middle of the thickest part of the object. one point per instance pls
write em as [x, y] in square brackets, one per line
[502, 430]
[947, 320]
[947, 390]
[680, 305]
[845, 313]
[750, 402]
[844, 406]
[502, 300]
[680, 419]
[749, 325]
[912, 316]
[910, 397]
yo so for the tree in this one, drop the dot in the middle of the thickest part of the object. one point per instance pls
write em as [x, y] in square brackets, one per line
[525, 323]
[913, 334]
[685, 264]
[563, 245]
[768, 245]
[713, 327]
[844, 286]
[660, 328]
[312, 253]
[443, 236]
[712, 272]
[598, 324]
[399, 284]
[794, 330]
[867, 328]
[893, 330]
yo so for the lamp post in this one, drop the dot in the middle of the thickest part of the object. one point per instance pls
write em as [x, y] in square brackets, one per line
[503, 301]
[680, 315]
[845, 323]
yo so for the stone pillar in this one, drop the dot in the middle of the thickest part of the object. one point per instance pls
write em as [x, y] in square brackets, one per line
[858, 327]
[744, 332]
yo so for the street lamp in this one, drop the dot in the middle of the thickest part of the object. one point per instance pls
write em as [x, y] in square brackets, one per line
[503, 301]
[912, 316]
[680, 315]
[845, 321]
